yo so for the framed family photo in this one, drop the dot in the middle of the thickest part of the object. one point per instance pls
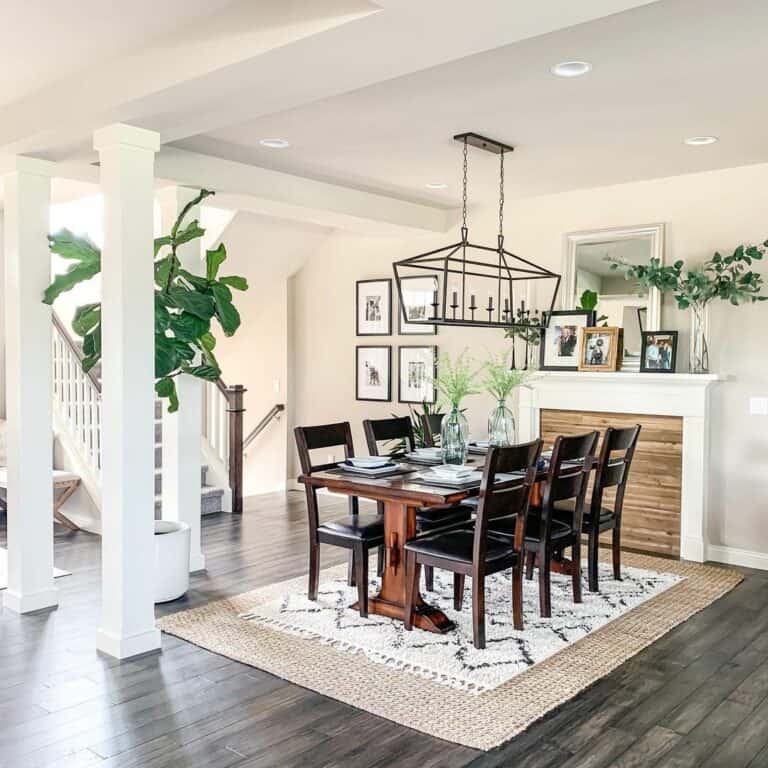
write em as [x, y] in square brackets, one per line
[560, 342]
[658, 352]
[374, 307]
[417, 370]
[373, 373]
[600, 349]
[416, 306]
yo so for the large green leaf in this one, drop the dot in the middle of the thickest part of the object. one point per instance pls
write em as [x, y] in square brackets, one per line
[207, 372]
[187, 327]
[76, 274]
[161, 242]
[192, 231]
[228, 316]
[166, 387]
[197, 303]
[162, 315]
[235, 281]
[188, 207]
[68, 245]
[166, 357]
[197, 281]
[86, 318]
[213, 260]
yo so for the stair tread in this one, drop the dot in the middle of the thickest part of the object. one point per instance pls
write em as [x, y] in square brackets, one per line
[205, 490]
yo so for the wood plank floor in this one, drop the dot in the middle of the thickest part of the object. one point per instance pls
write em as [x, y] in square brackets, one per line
[698, 697]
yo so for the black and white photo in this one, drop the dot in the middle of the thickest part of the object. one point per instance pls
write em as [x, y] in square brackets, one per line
[416, 306]
[374, 307]
[373, 373]
[417, 370]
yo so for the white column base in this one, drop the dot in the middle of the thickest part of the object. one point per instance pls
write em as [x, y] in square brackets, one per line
[38, 601]
[120, 647]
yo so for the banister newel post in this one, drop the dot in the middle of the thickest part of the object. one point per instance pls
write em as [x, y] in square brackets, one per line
[235, 409]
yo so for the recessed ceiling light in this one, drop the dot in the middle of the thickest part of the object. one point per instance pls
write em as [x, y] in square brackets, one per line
[274, 143]
[700, 141]
[436, 185]
[571, 68]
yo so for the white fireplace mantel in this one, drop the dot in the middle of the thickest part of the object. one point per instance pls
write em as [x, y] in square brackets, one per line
[661, 394]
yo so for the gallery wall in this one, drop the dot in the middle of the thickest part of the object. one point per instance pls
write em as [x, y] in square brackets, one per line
[702, 212]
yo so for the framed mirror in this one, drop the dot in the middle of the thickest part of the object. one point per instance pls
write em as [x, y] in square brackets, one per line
[620, 302]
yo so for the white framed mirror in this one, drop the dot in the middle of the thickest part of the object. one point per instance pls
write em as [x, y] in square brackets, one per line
[621, 302]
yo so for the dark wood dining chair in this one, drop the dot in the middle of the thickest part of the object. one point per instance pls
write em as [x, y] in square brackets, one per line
[428, 519]
[599, 517]
[357, 532]
[475, 551]
[431, 424]
[547, 535]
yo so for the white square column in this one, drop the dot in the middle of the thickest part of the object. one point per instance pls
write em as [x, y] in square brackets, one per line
[27, 189]
[127, 156]
[182, 431]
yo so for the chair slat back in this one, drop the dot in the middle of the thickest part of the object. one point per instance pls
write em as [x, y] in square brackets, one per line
[385, 430]
[613, 471]
[431, 424]
[569, 468]
[506, 498]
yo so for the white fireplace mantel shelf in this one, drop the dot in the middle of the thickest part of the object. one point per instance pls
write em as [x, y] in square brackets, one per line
[661, 394]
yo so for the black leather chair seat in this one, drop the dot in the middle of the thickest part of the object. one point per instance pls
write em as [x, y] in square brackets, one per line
[355, 527]
[505, 526]
[430, 518]
[566, 508]
[458, 545]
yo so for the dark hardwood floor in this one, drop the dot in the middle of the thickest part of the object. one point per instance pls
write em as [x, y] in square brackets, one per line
[698, 697]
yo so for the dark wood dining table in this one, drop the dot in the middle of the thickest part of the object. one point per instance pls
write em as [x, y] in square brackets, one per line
[402, 495]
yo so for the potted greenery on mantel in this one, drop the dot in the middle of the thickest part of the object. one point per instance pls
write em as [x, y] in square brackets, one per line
[729, 278]
[185, 303]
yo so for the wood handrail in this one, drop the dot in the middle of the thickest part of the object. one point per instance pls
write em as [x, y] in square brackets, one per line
[74, 348]
[262, 425]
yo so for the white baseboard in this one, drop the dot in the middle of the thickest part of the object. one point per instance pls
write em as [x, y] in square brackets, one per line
[746, 558]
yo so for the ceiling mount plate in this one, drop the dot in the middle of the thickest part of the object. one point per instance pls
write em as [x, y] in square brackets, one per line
[483, 142]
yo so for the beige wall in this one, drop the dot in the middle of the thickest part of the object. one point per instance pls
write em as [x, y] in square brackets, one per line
[703, 212]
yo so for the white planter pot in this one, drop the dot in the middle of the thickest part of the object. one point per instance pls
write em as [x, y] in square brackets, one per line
[171, 560]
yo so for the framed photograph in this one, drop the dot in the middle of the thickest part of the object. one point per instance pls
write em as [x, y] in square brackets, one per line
[560, 345]
[417, 370]
[600, 349]
[374, 307]
[373, 373]
[659, 352]
[416, 306]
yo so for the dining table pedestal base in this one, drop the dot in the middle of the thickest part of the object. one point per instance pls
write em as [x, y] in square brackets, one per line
[399, 527]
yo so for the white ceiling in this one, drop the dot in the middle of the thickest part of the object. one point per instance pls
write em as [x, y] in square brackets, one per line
[662, 72]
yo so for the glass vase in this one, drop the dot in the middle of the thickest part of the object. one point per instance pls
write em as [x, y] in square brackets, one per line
[501, 426]
[454, 437]
[699, 361]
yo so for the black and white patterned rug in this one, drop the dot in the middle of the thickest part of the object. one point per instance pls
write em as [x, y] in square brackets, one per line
[452, 659]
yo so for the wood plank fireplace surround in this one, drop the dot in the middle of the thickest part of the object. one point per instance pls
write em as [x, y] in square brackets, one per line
[665, 507]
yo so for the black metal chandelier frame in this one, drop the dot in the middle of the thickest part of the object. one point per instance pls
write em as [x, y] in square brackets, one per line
[505, 269]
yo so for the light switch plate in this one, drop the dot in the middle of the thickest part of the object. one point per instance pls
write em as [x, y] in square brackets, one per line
[758, 406]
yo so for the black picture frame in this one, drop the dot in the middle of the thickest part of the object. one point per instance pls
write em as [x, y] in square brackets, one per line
[589, 318]
[646, 336]
[388, 350]
[423, 329]
[386, 329]
[432, 399]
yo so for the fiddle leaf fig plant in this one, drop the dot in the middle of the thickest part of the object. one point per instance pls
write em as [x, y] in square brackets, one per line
[185, 303]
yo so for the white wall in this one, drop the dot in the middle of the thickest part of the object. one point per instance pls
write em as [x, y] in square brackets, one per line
[2, 321]
[703, 212]
[267, 252]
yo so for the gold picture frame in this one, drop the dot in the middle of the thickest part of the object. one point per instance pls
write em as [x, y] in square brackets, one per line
[600, 349]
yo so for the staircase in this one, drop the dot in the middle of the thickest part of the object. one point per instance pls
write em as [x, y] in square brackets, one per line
[77, 427]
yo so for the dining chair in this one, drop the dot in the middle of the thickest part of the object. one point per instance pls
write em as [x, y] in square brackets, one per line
[547, 536]
[475, 551]
[357, 533]
[431, 424]
[428, 519]
[612, 472]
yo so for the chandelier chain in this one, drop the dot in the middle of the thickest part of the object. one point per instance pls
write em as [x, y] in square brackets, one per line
[464, 190]
[501, 194]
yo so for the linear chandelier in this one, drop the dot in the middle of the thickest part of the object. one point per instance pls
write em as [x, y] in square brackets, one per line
[477, 285]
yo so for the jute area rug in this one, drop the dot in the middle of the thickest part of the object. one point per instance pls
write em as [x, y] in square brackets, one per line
[250, 629]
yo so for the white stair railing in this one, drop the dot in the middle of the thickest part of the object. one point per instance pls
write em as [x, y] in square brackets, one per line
[77, 398]
[216, 420]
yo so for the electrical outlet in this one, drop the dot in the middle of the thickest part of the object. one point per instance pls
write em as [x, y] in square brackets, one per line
[758, 406]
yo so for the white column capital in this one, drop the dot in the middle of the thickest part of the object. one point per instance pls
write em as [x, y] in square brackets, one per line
[32, 166]
[120, 134]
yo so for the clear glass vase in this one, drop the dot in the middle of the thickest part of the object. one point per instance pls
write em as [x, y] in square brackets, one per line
[501, 426]
[454, 437]
[699, 361]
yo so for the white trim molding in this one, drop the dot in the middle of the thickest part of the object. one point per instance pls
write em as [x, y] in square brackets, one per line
[684, 395]
[746, 558]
